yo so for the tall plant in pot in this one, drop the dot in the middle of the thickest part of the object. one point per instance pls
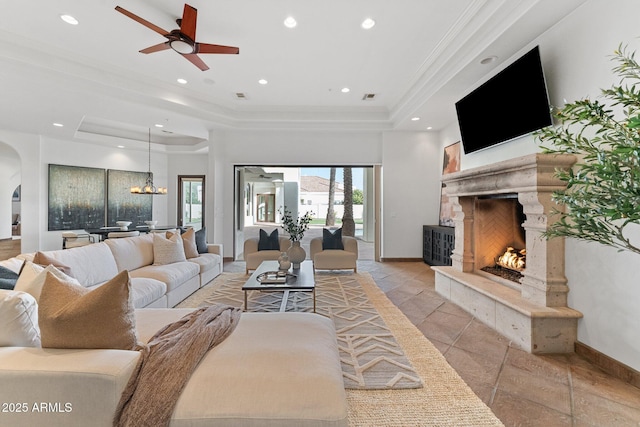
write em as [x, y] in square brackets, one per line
[603, 188]
[296, 229]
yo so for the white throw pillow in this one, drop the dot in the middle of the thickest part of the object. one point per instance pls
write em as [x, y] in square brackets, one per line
[19, 320]
[167, 251]
[32, 278]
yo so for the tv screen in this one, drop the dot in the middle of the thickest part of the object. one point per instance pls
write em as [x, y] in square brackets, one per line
[512, 103]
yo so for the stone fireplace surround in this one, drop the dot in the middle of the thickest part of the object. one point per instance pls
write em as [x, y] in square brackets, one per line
[534, 317]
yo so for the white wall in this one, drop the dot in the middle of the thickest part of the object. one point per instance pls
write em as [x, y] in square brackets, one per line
[603, 282]
[35, 156]
[410, 191]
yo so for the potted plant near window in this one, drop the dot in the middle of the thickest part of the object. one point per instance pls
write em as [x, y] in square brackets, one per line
[296, 229]
[603, 188]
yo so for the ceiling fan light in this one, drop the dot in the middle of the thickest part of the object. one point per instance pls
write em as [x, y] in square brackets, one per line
[182, 46]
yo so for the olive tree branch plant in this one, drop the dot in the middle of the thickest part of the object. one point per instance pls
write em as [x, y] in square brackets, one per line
[602, 194]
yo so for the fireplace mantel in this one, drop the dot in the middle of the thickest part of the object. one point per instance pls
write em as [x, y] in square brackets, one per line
[542, 301]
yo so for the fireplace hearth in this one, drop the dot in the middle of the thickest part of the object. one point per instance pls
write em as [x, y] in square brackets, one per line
[506, 205]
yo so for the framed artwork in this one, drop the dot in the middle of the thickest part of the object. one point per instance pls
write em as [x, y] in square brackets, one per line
[76, 197]
[121, 204]
[451, 163]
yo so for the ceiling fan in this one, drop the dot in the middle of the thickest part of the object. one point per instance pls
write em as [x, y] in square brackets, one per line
[183, 39]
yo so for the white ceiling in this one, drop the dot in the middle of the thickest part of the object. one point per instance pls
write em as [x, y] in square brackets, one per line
[419, 58]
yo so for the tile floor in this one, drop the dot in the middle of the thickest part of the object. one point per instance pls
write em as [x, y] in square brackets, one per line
[521, 389]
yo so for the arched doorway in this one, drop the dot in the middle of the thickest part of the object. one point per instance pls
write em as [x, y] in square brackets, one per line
[10, 197]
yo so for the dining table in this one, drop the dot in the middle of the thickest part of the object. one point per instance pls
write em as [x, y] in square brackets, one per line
[103, 232]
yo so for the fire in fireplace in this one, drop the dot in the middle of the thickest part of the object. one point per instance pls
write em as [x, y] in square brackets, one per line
[513, 259]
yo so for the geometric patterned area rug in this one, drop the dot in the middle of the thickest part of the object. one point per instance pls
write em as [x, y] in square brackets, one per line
[370, 355]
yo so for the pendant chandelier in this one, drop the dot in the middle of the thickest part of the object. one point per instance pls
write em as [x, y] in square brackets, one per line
[149, 188]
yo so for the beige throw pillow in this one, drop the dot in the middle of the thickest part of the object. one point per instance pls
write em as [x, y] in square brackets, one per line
[167, 250]
[44, 260]
[71, 316]
[32, 278]
[189, 243]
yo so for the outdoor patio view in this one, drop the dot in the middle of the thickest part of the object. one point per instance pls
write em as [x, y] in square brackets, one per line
[270, 190]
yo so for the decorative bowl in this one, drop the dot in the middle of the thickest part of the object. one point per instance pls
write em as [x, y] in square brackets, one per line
[124, 225]
[151, 224]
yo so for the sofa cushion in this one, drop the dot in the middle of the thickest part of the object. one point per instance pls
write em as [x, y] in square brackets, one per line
[90, 264]
[18, 320]
[332, 240]
[8, 278]
[71, 316]
[144, 291]
[267, 360]
[201, 240]
[173, 275]
[189, 243]
[269, 242]
[206, 261]
[33, 276]
[44, 260]
[167, 250]
[132, 252]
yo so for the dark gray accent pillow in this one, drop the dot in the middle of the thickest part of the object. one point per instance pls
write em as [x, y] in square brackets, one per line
[201, 241]
[332, 240]
[8, 278]
[269, 242]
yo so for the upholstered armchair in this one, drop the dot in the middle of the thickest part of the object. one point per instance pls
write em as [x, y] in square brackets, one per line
[335, 259]
[253, 257]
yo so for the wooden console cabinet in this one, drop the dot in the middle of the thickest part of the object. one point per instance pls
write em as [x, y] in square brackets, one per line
[437, 244]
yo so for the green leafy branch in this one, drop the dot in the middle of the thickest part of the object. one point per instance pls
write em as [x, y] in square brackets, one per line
[295, 227]
[602, 193]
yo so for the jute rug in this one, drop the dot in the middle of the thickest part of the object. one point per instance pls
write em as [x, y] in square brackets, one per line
[370, 355]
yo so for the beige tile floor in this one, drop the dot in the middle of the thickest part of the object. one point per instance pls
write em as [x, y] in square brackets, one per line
[521, 389]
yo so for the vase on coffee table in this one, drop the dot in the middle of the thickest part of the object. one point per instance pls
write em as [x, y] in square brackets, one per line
[297, 254]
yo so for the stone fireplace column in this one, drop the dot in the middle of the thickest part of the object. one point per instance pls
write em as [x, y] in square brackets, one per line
[544, 282]
[462, 255]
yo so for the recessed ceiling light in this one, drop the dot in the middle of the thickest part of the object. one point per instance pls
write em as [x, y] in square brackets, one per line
[158, 125]
[182, 81]
[69, 19]
[120, 146]
[488, 60]
[59, 125]
[263, 81]
[345, 90]
[415, 119]
[290, 22]
[429, 127]
[368, 23]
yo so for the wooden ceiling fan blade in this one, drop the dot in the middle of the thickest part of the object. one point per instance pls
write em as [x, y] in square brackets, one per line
[189, 20]
[156, 48]
[142, 21]
[195, 60]
[216, 48]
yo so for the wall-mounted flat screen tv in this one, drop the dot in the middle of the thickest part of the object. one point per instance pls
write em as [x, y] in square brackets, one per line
[512, 103]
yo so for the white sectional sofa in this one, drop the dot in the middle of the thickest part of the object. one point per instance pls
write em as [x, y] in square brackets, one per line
[274, 369]
[153, 286]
